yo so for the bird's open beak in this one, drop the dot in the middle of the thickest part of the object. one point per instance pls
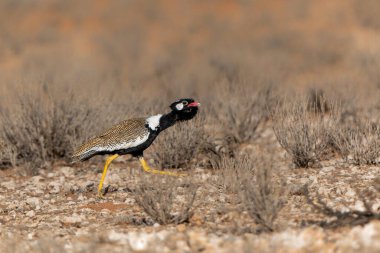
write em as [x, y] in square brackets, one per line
[194, 104]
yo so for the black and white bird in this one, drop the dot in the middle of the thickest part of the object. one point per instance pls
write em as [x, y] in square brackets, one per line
[133, 136]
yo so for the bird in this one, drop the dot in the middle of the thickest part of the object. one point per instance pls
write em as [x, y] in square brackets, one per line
[133, 136]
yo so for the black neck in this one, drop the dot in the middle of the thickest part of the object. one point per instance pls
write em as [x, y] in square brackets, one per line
[167, 120]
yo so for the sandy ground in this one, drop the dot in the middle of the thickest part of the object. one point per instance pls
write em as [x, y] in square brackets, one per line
[59, 210]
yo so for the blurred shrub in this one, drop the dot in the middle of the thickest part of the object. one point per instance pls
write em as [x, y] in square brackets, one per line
[303, 134]
[241, 109]
[179, 146]
[230, 171]
[166, 199]
[261, 193]
[42, 128]
[359, 143]
[316, 101]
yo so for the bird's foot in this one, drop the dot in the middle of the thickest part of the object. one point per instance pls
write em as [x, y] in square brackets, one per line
[173, 174]
[100, 195]
[161, 172]
[154, 171]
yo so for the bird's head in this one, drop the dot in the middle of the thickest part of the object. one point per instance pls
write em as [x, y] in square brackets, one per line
[185, 108]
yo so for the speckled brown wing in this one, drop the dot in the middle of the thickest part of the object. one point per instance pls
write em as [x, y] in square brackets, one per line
[126, 134]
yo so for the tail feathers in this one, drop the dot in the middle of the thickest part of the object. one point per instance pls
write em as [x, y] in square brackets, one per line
[76, 157]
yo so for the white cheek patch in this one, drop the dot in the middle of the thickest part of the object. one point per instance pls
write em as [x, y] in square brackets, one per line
[179, 106]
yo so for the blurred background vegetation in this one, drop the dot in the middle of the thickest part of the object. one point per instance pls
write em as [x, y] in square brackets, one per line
[169, 48]
[89, 64]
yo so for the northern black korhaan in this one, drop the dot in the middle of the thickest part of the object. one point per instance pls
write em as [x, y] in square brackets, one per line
[133, 136]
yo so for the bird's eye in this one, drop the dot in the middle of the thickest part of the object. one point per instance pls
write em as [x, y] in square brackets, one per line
[184, 102]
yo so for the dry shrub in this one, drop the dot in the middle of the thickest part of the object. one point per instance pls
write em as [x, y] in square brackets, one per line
[240, 110]
[166, 199]
[5, 158]
[261, 193]
[214, 154]
[253, 181]
[230, 170]
[303, 134]
[42, 128]
[358, 143]
[316, 101]
[178, 146]
[236, 117]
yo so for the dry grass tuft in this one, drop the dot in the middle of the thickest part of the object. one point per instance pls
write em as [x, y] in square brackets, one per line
[237, 116]
[360, 143]
[165, 199]
[262, 194]
[228, 169]
[241, 110]
[43, 128]
[253, 181]
[5, 158]
[303, 134]
[317, 102]
[179, 146]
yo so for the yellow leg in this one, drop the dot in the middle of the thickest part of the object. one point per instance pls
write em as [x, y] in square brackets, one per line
[148, 169]
[108, 162]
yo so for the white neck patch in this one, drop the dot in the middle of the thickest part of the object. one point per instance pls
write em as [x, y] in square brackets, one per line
[179, 106]
[154, 121]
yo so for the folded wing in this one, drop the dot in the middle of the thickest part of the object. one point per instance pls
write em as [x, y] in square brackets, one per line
[126, 134]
